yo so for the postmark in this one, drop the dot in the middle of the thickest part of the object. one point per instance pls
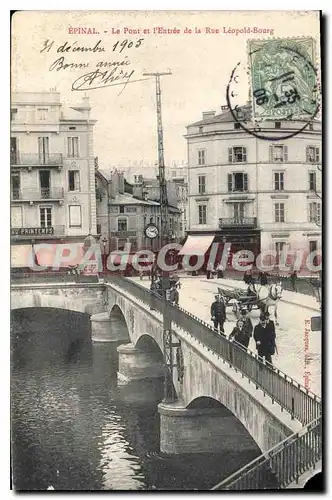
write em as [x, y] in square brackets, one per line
[283, 78]
[300, 112]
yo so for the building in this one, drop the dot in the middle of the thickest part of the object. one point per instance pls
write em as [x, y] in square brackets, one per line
[260, 195]
[52, 170]
[123, 212]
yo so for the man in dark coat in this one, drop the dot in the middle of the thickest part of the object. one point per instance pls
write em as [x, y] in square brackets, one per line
[218, 314]
[247, 323]
[239, 334]
[265, 339]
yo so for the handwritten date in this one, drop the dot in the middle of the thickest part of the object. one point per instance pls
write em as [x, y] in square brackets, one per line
[127, 44]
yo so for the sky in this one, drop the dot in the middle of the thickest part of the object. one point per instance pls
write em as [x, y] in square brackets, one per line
[201, 64]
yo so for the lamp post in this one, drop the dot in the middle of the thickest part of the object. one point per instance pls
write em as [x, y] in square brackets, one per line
[103, 241]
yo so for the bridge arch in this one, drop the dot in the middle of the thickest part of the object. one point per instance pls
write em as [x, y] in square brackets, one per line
[151, 347]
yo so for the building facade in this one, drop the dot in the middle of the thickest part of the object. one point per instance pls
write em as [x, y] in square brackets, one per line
[52, 170]
[123, 216]
[259, 195]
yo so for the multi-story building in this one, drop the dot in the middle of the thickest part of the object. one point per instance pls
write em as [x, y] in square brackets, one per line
[122, 216]
[257, 194]
[52, 170]
[176, 174]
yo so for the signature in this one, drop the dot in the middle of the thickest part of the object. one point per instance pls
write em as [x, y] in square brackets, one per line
[99, 79]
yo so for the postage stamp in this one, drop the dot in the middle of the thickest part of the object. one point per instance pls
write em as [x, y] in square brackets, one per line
[283, 78]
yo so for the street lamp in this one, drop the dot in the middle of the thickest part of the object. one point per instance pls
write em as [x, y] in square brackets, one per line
[103, 241]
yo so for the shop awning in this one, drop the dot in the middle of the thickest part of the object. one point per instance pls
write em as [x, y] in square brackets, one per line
[19, 255]
[197, 245]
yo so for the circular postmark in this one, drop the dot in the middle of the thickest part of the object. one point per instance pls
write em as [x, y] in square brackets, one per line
[283, 84]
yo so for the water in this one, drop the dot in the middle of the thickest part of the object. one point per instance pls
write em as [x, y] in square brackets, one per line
[76, 427]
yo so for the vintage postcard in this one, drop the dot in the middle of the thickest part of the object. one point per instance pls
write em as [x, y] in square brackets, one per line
[166, 239]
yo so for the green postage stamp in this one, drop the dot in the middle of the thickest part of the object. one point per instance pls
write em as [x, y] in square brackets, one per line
[283, 78]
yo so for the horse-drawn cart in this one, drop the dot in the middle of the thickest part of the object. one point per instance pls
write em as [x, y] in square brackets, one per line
[239, 299]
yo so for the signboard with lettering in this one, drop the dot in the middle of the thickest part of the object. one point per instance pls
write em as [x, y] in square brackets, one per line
[32, 231]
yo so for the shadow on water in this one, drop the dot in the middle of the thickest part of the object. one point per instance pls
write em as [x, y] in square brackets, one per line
[76, 427]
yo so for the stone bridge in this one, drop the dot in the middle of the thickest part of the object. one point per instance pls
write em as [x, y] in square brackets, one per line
[216, 407]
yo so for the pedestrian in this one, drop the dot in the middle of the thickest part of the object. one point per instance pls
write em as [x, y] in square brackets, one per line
[218, 315]
[247, 277]
[239, 334]
[174, 295]
[293, 278]
[141, 275]
[265, 339]
[153, 290]
[270, 323]
[220, 271]
[209, 269]
[263, 278]
[247, 322]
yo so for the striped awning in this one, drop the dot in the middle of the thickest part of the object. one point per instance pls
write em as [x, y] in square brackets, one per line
[197, 245]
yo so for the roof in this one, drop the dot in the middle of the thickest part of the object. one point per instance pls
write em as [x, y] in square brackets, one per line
[107, 174]
[226, 116]
[68, 113]
[127, 199]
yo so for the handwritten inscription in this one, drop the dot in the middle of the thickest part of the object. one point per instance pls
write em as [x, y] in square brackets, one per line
[103, 73]
[97, 79]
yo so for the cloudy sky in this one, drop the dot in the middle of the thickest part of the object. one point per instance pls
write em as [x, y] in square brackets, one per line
[201, 64]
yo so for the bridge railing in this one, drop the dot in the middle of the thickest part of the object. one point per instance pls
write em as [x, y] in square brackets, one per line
[282, 465]
[289, 394]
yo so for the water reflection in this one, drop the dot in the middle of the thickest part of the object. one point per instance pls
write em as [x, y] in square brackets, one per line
[76, 428]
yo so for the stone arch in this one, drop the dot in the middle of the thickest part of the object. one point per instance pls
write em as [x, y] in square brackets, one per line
[119, 325]
[150, 346]
[232, 428]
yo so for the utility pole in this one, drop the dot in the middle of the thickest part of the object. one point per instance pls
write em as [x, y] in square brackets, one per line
[164, 230]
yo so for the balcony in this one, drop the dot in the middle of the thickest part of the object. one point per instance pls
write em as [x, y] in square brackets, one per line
[124, 234]
[43, 194]
[36, 232]
[35, 160]
[246, 222]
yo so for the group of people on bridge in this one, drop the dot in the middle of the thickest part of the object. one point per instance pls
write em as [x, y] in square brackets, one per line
[264, 332]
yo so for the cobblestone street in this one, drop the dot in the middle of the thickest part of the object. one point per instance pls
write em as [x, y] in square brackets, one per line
[197, 294]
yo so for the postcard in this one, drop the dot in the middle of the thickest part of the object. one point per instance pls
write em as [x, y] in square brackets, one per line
[166, 250]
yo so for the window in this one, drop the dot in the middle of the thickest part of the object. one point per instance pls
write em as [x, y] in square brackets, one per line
[279, 212]
[277, 124]
[138, 179]
[237, 154]
[45, 214]
[237, 125]
[122, 242]
[122, 224]
[314, 212]
[73, 147]
[278, 181]
[238, 210]
[72, 128]
[201, 214]
[43, 150]
[237, 182]
[15, 186]
[280, 245]
[42, 113]
[13, 114]
[312, 181]
[278, 153]
[185, 214]
[73, 180]
[201, 157]
[200, 129]
[201, 184]
[75, 216]
[311, 126]
[16, 216]
[312, 154]
[122, 209]
[98, 228]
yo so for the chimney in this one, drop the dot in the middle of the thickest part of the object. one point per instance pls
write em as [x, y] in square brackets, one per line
[208, 114]
[84, 107]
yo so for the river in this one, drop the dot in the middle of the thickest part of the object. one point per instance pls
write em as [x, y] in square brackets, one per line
[77, 426]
